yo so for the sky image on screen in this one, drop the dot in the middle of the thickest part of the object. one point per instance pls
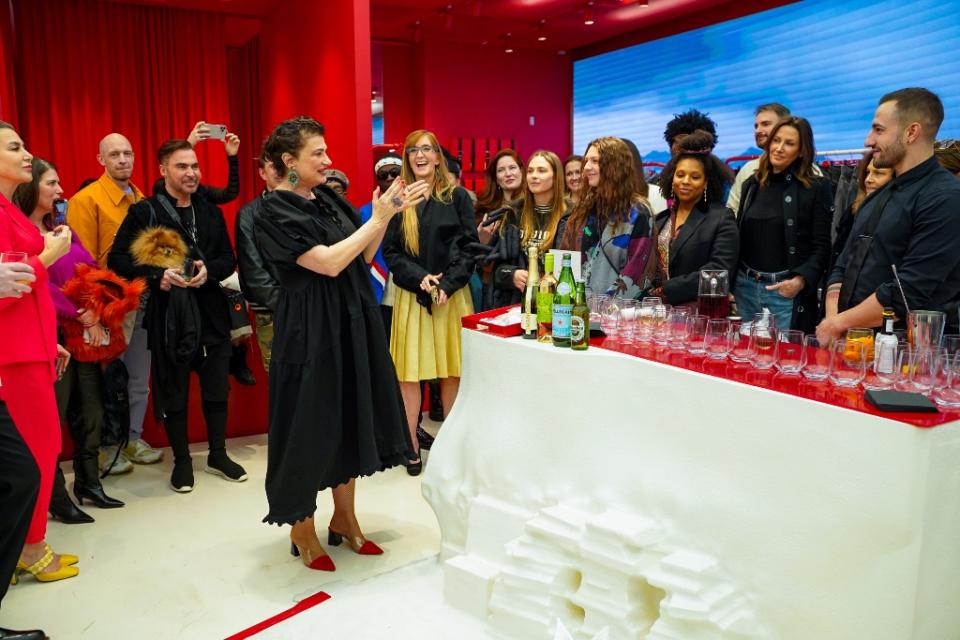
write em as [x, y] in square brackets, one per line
[828, 61]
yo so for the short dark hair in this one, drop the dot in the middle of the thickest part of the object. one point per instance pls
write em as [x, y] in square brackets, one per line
[688, 122]
[289, 137]
[776, 107]
[170, 147]
[27, 194]
[699, 146]
[262, 158]
[916, 104]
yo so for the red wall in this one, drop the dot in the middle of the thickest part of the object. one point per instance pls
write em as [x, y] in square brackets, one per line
[478, 92]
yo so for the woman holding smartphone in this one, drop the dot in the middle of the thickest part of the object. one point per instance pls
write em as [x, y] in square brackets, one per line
[426, 248]
[29, 363]
[81, 380]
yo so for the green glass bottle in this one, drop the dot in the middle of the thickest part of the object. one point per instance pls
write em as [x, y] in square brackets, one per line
[580, 320]
[563, 304]
[545, 292]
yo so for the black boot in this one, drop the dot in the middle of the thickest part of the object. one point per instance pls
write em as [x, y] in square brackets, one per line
[61, 506]
[34, 634]
[87, 485]
[436, 405]
[238, 365]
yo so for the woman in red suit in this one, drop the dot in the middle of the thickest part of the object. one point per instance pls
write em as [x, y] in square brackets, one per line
[28, 361]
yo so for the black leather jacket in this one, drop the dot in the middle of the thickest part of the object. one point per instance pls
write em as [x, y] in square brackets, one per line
[258, 278]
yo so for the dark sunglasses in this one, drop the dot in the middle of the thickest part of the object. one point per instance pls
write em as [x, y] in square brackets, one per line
[388, 173]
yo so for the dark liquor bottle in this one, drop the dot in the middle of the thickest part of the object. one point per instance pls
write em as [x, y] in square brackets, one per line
[580, 320]
[528, 313]
[563, 304]
[545, 292]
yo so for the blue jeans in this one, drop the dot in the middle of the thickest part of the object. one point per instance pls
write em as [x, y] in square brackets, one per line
[752, 296]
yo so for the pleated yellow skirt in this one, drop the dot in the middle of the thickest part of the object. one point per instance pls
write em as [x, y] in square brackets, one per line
[426, 346]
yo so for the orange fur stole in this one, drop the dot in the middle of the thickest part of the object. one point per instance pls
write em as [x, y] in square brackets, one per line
[111, 298]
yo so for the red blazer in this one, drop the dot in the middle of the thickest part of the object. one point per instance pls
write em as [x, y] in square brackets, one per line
[28, 325]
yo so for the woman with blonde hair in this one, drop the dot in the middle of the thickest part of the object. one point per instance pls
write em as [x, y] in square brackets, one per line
[611, 225]
[536, 224]
[427, 250]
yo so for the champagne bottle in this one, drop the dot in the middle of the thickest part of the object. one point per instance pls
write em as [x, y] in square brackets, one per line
[563, 304]
[885, 345]
[548, 287]
[580, 320]
[528, 315]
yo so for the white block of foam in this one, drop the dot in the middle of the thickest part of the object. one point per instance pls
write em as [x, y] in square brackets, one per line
[493, 523]
[467, 583]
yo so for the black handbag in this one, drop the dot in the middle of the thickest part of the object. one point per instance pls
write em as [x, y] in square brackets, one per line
[239, 317]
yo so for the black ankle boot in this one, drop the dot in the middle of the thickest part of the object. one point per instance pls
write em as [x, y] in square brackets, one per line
[436, 405]
[87, 486]
[34, 634]
[62, 507]
[238, 366]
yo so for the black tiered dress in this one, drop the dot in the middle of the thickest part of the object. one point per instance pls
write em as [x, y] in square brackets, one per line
[335, 407]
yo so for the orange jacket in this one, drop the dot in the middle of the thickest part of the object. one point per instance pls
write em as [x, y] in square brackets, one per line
[97, 211]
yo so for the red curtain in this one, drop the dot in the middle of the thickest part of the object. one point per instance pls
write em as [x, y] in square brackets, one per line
[87, 68]
[8, 94]
[243, 68]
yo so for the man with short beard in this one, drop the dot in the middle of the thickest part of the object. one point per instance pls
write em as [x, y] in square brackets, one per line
[95, 213]
[913, 223]
[179, 245]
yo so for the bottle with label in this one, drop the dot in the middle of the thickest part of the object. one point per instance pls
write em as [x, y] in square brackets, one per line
[528, 312]
[545, 292]
[580, 320]
[563, 304]
[885, 345]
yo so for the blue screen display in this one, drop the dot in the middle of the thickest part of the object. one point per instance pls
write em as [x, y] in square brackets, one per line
[829, 61]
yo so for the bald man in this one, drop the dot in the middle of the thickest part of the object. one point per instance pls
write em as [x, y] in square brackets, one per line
[94, 214]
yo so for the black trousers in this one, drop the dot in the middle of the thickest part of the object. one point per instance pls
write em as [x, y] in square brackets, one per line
[82, 381]
[19, 485]
[212, 364]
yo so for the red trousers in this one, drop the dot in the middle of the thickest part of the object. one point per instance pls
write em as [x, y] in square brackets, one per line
[28, 391]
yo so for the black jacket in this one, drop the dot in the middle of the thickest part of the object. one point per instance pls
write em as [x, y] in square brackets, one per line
[807, 214]
[446, 232]
[213, 246]
[709, 239]
[258, 278]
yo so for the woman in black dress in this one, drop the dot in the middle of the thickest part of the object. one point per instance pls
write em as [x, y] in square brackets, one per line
[335, 406]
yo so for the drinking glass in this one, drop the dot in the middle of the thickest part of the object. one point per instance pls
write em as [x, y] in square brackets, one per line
[790, 352]
[763, 346]
[816, 359]
[645, 318]
[946, 391]
[713, 295]
[609, 316]
[847, 363]
[740, 338]
[921, 365]
[696, 334]
[660, 330]
[864, 335]
[718, 341]
[875, 377]
[677, 327]
[628, 318]
[951, 343]
[925, 328]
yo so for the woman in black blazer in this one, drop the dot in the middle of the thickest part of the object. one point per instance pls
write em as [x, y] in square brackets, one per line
[697, 231]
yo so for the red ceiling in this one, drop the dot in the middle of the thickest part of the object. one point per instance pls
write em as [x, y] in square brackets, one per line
[496, 23]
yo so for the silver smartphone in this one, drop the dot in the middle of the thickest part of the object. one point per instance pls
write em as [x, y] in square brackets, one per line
[217, 131]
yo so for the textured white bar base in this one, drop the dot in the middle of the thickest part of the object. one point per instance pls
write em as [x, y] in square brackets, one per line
[633, 499]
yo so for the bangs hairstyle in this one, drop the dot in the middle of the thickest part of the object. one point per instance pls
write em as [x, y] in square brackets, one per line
[698, 146]
[27, 194]
[170, 147]
[528, 215]
[491, 196]
[803, 165]
[443, 187]
[289, 137]
[612, 199]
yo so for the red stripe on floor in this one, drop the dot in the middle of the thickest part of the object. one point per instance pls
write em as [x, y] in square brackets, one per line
[303, 605]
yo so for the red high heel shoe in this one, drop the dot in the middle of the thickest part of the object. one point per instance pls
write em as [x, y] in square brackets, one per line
[358, 544]
[323, 563]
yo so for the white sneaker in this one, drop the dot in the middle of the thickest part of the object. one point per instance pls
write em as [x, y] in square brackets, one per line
[139, 452]
[122, 465]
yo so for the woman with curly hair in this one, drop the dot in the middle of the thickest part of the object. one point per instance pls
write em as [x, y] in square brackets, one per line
[611, 224]
[697, 231]
[785, 216]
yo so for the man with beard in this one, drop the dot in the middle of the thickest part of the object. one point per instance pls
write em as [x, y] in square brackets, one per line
[766, 115]
[94, 214]
[179, 245]
[913, 224]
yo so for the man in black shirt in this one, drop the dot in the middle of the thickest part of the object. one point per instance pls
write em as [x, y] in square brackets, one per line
[179, 244]
[913, 223]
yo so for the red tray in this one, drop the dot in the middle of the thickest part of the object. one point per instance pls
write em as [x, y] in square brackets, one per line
[476, 322]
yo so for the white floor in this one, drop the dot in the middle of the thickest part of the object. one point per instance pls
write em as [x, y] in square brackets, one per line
[202, 565]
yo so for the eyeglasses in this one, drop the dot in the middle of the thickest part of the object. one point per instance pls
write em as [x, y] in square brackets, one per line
[425, 149]
[388, 173]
